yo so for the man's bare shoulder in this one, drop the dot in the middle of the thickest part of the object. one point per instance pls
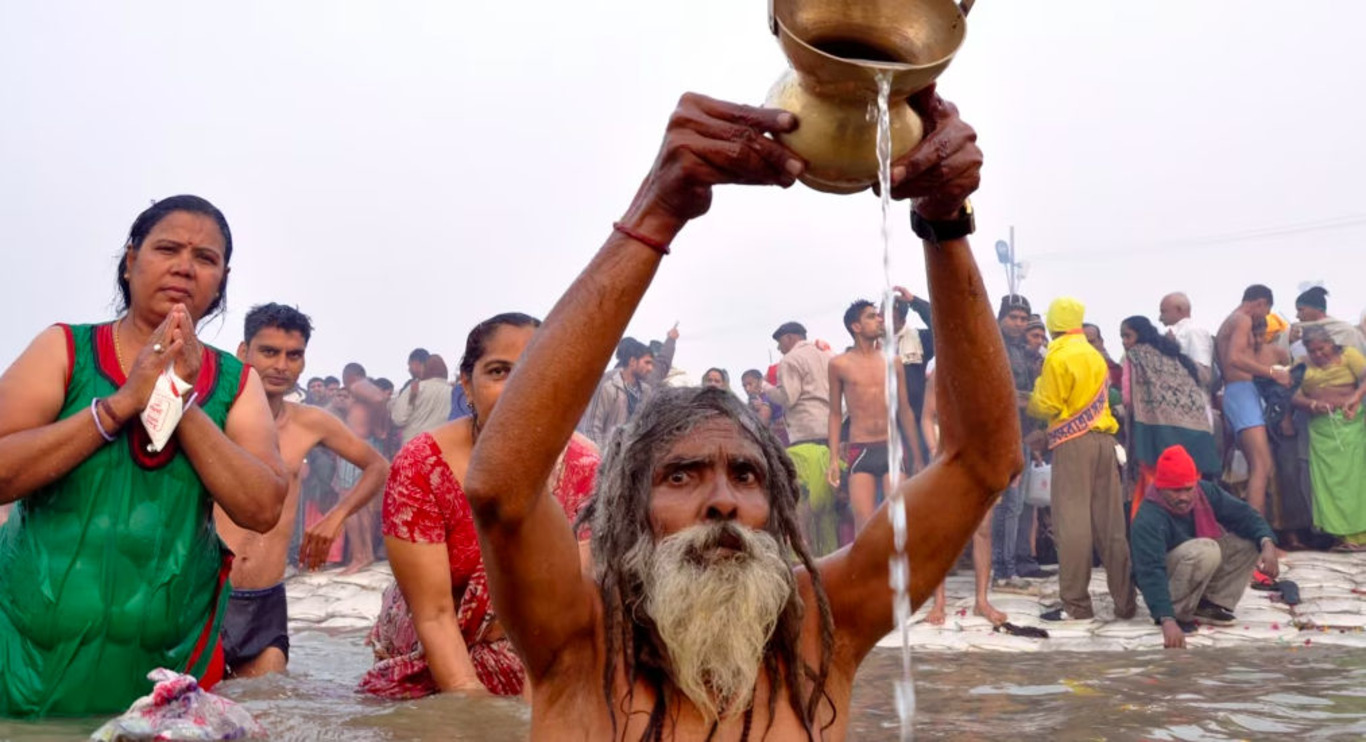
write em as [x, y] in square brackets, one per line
[311, 423]
[1233, 322]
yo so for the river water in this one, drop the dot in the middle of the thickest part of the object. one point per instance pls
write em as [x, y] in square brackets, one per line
[1313, 693]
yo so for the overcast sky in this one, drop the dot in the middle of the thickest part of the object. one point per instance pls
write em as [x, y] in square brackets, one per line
[402, 170]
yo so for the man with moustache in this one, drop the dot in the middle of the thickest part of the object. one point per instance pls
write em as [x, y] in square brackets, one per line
[1194, 547]
[693, 624]
[255, 627]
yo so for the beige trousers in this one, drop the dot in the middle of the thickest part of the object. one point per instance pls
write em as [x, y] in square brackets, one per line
[1218, 571]
[1087, 514]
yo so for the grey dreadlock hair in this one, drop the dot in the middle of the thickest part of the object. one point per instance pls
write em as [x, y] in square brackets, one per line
[618, 514]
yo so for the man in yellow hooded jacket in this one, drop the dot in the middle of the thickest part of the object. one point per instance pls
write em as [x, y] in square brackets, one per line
[1071, 396]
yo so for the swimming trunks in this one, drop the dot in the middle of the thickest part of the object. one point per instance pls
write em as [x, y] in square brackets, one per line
[1243, 406]
[256, 620]
[868, 458]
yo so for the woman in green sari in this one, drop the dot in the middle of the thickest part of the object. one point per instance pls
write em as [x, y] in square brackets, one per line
[110, 566]
[1166, 402]
[1334, 384]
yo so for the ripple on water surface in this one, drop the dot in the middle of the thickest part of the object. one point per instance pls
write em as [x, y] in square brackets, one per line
[1315, 693]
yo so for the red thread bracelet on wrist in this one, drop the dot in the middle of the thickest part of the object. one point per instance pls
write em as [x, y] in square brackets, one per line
[660, 247]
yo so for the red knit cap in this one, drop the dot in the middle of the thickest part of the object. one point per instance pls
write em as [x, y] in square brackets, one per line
[1175, 470]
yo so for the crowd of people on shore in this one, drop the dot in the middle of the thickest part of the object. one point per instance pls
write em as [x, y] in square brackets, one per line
[658, 557]
[1294, 450]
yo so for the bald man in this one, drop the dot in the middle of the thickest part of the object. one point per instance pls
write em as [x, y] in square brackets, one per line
[1196, 342]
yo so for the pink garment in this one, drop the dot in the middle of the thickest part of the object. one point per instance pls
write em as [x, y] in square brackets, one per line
[423, 503]
[1206, 525]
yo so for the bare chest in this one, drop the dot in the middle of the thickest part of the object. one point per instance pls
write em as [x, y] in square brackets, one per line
[585, 710]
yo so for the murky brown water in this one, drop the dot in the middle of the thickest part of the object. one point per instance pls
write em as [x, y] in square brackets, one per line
[1313, 693]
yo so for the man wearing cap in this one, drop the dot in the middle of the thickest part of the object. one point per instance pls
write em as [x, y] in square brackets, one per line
[803, 391]
[1011, 558]
[1072, 396]
[1194, 548]
[1311, 309]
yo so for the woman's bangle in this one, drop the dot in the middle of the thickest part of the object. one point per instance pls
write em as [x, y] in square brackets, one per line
[94, 413]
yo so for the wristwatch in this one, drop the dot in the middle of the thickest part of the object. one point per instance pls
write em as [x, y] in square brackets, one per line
[943, 230]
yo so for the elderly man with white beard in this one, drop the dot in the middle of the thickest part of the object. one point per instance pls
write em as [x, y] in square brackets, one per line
[693, 623]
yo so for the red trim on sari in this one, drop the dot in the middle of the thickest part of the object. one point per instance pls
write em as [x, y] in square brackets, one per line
[106, 355]
[242, 382]
[208, 632]
[70, 353]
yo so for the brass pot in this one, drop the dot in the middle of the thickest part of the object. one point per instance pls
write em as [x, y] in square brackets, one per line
[836, 48]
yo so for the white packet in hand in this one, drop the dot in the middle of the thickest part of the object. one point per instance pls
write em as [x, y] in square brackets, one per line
[163, 411]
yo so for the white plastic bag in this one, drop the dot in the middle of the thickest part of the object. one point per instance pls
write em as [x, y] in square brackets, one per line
[1038, 485]
[178, 709]
[164, 408]
[1237, 468]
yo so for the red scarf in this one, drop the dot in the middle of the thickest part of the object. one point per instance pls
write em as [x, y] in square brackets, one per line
[1206, 525]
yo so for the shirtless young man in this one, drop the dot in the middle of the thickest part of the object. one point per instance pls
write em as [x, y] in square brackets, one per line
[1239, 365]
[255, 638]
[694, 624]
[858, 378]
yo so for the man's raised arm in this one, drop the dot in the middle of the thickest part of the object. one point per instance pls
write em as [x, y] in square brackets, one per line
[979, 440]
[337, 437]
[530, 553]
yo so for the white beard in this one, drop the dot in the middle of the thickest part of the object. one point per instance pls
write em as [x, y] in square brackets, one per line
[714, 616]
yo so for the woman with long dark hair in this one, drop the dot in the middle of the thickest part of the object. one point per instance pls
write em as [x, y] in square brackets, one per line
[437, 630]
[1166, 402]
[110, 566]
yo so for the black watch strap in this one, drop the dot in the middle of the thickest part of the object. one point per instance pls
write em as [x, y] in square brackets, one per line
[943, 230]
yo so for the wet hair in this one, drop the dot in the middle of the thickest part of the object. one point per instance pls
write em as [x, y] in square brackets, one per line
[630, 349]
[1318, 334]
[1257, 291]
[384, 384]
[1148, 335]
[150, 218]
[854, 312]
[278, 316]
[476, 344]
[619, 516]
[353, 369]
[420, 355]
[331, 380]
[753, 372]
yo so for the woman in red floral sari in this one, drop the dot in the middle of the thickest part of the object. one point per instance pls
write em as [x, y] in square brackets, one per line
[437, 630]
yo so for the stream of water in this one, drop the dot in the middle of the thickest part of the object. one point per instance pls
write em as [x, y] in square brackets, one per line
[900, 566]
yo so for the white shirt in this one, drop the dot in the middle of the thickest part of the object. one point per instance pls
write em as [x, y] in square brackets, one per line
[908, 345]
[1195, 342]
